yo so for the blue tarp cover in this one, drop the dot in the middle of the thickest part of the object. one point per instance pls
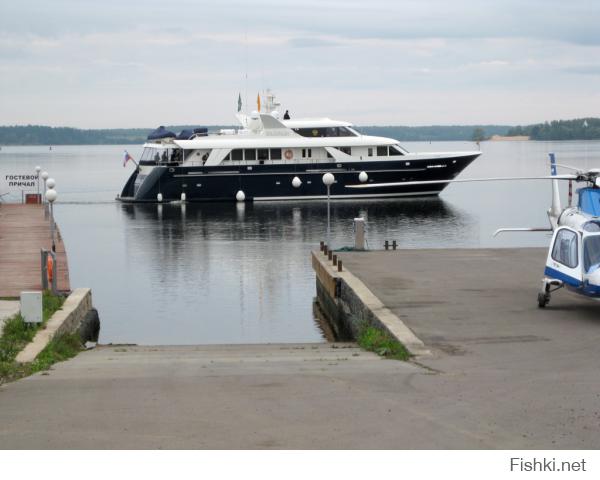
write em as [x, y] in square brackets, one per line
[160, 132]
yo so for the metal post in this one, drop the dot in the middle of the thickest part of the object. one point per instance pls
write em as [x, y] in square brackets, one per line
[52, 225]
[44, 255]
[393, 244]
[328, 219]
[54, 273]
[386, 244]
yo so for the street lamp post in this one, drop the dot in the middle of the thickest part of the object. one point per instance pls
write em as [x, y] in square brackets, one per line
[51, 196]
[38, 169]
[44, 176]
[328, 180]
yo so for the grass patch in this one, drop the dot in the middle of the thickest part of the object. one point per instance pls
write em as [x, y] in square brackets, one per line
[16, 334]
[58, 350]
[382, 343]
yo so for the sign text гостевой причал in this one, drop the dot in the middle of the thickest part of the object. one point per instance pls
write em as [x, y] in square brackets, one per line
[20, 181]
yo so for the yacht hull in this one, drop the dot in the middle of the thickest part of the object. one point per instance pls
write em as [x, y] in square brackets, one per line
[274, 181]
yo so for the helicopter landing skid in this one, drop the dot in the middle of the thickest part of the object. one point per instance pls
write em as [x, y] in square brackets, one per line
[549, 285]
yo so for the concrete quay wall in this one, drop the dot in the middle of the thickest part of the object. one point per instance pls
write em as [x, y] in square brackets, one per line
[349, 304]
[77, 315]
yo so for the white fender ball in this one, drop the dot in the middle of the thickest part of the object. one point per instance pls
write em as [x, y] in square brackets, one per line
[296, 182]
[240, 196]
[363, 177]
[159, 197]
[183, 197]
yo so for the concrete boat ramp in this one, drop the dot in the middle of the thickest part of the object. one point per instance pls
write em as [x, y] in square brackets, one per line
[501, 374]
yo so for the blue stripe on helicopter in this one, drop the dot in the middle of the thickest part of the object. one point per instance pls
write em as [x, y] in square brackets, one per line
[552, 273]
[591, 290]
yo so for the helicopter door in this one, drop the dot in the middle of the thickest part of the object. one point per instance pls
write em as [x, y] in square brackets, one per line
[563, 261]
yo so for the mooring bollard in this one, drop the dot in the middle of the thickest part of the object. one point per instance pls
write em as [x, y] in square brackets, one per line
[386, 245]
[334, 260]
[321, 245]
[394, 245]
[325, 249]
[329, 255]
[339, 265]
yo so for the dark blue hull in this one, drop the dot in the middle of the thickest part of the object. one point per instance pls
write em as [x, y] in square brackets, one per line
[274, 182]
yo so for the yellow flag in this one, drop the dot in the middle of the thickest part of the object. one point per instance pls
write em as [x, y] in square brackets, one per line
[258, 101]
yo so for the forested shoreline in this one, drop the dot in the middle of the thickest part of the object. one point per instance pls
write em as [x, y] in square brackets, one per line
[578, 129]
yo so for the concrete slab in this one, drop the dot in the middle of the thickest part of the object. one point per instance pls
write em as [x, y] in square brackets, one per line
[515, 366]
[503, 374]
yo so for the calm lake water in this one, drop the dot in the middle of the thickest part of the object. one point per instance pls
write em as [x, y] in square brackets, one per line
[234, 273]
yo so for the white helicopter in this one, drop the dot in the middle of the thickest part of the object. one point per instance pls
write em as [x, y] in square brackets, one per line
[573, 258]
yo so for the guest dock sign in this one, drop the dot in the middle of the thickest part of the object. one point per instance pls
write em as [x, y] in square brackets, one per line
[21, 182]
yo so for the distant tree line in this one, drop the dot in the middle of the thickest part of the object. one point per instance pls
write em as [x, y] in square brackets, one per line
[578, 129]
[437, 133]
[42, 135]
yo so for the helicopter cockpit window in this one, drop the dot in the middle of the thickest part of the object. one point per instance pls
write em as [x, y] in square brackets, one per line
[591, 252]
[592, 227]
[565, 248]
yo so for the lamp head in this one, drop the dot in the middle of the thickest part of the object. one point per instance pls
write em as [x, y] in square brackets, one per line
[50, 183]
[328, 179]
[45, 175]
[51, 195]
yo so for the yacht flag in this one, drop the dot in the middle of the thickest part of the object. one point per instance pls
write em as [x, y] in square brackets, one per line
[239, 102]
[127, 157]
[258, 101]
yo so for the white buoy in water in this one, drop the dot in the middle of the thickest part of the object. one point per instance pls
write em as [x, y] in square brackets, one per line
[240, 196]
[159, 197]
[183, 197]
[363, 177]
[296, 182]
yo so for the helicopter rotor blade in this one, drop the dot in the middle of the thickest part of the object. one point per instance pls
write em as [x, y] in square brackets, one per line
[569, 167]
[461, 180]
[532, 229]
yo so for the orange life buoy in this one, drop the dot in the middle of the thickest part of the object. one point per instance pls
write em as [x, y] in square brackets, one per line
[50, 268]
[288, 154]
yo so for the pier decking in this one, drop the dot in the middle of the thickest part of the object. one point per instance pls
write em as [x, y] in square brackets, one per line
[24, 231]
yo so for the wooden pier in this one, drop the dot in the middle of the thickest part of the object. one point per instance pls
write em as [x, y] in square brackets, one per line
[24, 231]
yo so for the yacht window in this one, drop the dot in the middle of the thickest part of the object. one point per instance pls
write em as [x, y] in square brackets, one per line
[345, 132]
[591, 252]
[263, 154]
[148, 154]
[370, 152]
[382, 151]
[565, 248]
[227, 157]
[250, 154]
[276, 154]
[329, 155]
[346, 150]
[325, 132]
[237, 154]
[394, 150]
[306, 152]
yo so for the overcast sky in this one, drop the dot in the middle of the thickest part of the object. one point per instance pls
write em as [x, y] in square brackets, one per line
[132, 63]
